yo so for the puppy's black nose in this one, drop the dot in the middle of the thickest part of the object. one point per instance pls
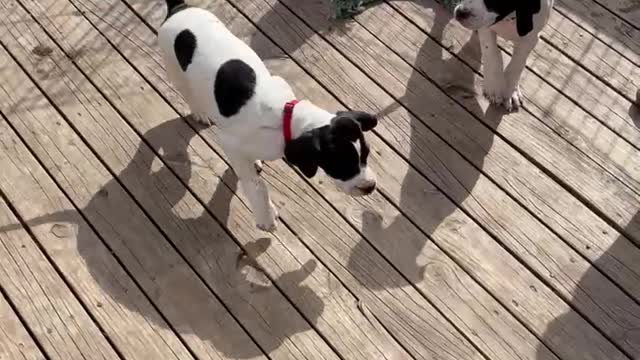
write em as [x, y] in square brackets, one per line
[368, 189]
[462, 13]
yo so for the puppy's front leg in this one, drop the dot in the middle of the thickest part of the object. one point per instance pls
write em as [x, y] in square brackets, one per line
[512, 95]
[492, 65]
[256, 190]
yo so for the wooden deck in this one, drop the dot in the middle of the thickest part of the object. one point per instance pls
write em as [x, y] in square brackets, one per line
[492, 236]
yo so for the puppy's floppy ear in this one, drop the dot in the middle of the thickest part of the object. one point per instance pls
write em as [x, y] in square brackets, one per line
[346, 127]
[367, 121]
[525, 10]
[303, 153]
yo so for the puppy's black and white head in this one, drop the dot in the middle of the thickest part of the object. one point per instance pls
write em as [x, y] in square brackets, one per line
[340, 150]
[476, 14]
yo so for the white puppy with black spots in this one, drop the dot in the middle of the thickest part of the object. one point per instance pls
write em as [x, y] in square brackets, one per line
[520, 21]
[223, 79]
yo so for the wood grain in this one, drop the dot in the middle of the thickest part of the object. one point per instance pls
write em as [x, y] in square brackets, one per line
[522, 294]
[30, 281]
[604, 25]
[15, 342]
[595, 54]
[628, 10]
[52, 312]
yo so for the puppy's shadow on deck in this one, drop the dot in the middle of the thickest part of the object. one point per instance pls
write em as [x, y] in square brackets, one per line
[624, 256]
[427, 207]
[232, 273]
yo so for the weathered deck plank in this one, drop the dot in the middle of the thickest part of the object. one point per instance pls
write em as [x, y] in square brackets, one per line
[81, 256]
[601, 23]
[629, 10]
[594, 54]
[51, 311]
[15, 341]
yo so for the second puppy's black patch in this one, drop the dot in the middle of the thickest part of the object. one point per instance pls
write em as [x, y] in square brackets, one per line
[524, 9]
[235, 85]
[184, 47]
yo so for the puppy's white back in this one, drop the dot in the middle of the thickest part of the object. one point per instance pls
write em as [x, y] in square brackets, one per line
[215, 45]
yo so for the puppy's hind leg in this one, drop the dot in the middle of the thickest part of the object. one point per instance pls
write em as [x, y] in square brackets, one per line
[178, 80]
[183, 83]
[200, 109]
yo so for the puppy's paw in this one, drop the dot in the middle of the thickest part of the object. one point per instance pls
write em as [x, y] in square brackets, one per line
[268, 222]
[513, 100]
[493, 89]
[270, 228]
[259, 166]
[203, 118]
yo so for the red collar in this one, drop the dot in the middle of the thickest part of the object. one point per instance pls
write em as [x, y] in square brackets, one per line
[287, 115]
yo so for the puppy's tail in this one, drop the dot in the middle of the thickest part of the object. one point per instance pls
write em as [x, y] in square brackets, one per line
[174, 6]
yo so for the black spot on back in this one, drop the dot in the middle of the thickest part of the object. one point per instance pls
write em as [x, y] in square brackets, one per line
[184, 47]
[235, 84]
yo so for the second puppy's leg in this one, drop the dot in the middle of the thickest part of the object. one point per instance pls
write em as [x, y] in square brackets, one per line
[492, 67]
[513, 73]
